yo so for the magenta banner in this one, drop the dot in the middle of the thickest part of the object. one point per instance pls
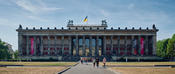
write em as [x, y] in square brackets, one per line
[32, 49]
[142, 46]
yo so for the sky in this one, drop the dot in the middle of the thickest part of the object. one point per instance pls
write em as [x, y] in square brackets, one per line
[56, 13]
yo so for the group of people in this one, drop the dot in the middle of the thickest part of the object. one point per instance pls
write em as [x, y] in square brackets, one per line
[83, 60]
[95, 61]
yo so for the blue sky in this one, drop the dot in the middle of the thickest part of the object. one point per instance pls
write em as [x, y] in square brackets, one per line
[56, 13]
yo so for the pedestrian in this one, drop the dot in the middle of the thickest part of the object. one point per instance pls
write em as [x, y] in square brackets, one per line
[97, 62]
[85, 60]
[81, 59]
[104, 62]
[93, 60]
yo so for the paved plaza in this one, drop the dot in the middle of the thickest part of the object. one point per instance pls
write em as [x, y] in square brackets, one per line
[88, 69]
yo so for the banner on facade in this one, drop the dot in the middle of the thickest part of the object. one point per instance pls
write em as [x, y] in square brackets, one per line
[32, 48]
[142, 46]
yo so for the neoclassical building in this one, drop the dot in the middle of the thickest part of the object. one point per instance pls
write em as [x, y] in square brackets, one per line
[90, 40]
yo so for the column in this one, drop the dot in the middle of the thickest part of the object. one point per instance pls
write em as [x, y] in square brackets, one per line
[104, 45]
[48, 45]
[70, 45]
[84, 49]
[97, 46]
[35, 41]
[111, 45]
[146, 45]
[27, 44]
[62, 41]
[90, 45]
[118, 45]
[55, 45]
[20, 44]
[77, 52]
[125, 45]
[139, 45]
[154, 44]
[132, 38]
[41, 46]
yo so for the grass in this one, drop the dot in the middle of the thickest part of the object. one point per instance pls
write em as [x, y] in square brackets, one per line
[134, 70]
[58, 66]
[140, 63]
[39, 63]
[31, 70]
[142, 70]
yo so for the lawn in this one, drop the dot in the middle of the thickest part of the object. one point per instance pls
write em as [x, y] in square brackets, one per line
[53, 67]
[140, 63]
[31, 70]
[142, 70]
[39, 63]
[135, 70]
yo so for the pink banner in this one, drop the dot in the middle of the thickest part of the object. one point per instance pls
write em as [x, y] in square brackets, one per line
[142, 46]
[32, 49]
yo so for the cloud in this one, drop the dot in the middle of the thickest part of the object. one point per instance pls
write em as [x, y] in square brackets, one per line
[3, 21]
[104, 13]
[35, 7]
[130, 6]
[37, 18]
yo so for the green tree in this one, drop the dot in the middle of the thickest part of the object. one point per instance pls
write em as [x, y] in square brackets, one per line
[16, 54]
[4, 53]
[161, 47]
[171, 47]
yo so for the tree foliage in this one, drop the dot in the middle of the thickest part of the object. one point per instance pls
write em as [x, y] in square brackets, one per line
[16, 54]
[4, 53]
[171, 47]
[166, 47]
[161, 47]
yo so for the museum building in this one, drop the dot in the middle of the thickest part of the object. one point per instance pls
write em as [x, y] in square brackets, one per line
[87, 40]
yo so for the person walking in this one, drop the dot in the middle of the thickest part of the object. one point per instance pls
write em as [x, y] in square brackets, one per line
[93, 60]
[104, 62]
[97, 62]
[81, 59]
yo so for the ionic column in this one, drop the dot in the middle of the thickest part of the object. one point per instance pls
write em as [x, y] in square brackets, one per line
[48, 45]
[84, 50]
[97, 46]
[132, 39]
[146, 47]
[104, 45]
[70, 45]
[111, 45]
[77, 42]
[55, 45]
[41, 46]
[139, 45]
[62, 41]
[90, 45]
[125, 45]
[154, 44]
[118, 45]
[27, 44]
[20, 44]
[35, 41]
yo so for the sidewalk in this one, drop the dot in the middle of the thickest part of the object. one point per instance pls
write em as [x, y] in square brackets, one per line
[88, 69]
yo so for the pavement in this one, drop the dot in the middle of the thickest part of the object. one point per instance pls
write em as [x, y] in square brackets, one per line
[87, 68]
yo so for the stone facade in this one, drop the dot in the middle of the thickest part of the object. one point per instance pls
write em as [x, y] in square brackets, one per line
[86, 41]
